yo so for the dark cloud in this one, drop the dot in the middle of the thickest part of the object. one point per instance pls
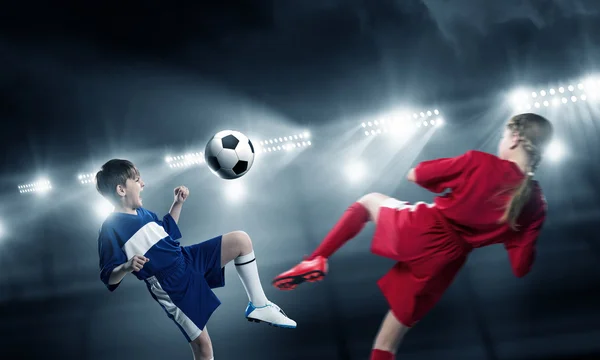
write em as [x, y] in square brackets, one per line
[455, 17]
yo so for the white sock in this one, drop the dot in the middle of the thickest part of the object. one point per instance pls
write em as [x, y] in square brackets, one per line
[248, 272]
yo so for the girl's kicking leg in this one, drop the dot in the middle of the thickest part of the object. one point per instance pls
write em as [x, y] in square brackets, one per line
[348, 226]
[388, 338]
[237, 246]
[202, 347]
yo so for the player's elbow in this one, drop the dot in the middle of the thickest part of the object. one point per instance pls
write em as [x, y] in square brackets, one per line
[109, 286]
[520, 273]
[112, 287]
[521, 270]
[411, 175]
[105, 278]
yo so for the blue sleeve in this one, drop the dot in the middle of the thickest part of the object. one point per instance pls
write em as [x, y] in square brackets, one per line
[111, 255]
[169, 224]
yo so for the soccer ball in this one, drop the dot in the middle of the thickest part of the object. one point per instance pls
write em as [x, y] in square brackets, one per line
[229, 154]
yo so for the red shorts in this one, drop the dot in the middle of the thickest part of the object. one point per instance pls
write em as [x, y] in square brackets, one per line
[428, 252]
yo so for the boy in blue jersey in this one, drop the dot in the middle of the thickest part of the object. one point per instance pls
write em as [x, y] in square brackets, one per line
[180, 278]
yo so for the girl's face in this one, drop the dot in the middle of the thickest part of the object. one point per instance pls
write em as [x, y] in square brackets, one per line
[509, 141]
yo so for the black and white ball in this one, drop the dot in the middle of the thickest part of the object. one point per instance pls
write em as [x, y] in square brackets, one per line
[229, 154]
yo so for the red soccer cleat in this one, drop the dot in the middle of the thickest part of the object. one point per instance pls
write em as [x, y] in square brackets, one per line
[308, 270]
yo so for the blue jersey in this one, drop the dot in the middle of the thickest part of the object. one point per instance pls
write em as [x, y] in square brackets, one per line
[124, 235]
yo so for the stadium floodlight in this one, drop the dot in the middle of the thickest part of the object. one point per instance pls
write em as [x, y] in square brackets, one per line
[355, 172]
[284, 143]
[40, 186]
[401, 123]
[555, 151]
[89, 178]
[184, 161]
[584, 90]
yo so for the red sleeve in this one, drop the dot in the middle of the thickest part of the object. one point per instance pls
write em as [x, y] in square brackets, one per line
[521, 248]
[440, 174]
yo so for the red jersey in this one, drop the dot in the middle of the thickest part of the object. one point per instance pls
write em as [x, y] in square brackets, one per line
[480, 186]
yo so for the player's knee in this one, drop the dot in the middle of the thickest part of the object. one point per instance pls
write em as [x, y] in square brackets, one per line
[202, 348]
[243, 240]
[370, 198]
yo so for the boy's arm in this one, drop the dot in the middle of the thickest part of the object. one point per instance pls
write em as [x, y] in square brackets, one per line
[117, 274]
[181, 194]
[136, 263]
[175, 211]
[112, 258]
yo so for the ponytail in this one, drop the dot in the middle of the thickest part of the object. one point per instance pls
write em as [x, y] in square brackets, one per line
[518, 200]
[534, 133]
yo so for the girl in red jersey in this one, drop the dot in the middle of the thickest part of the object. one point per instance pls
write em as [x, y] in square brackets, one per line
[493, 199]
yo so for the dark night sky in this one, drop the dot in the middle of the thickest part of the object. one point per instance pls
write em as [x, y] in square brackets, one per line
[332, 55]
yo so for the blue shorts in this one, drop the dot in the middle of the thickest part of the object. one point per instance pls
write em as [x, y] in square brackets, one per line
[184, 290]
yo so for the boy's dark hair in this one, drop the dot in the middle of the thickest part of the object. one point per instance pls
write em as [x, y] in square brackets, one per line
[114, 172]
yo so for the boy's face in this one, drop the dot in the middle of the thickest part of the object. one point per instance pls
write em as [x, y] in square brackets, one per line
[130, 193]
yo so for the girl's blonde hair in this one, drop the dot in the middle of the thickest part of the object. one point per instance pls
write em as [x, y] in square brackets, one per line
[534, 132]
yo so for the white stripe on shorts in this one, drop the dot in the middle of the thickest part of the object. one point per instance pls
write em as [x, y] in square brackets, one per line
[180, 318]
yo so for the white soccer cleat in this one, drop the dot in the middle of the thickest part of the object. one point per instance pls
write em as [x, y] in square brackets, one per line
[270, 314]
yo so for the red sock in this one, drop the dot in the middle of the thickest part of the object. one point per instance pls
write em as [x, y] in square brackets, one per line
[347, 227]
[377, 354]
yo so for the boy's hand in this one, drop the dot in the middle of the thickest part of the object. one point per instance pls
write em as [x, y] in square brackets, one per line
[181, 194]
[136, 263]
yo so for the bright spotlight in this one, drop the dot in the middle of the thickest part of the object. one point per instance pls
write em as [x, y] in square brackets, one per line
[401, 122]
[40, 186]
[286, 143]
[103, 208]
[590, 83]
[89, 178]
[185, 160]
[555, 151]
[2, 231]
[234, 191]
[355, 172]
[519, 97]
